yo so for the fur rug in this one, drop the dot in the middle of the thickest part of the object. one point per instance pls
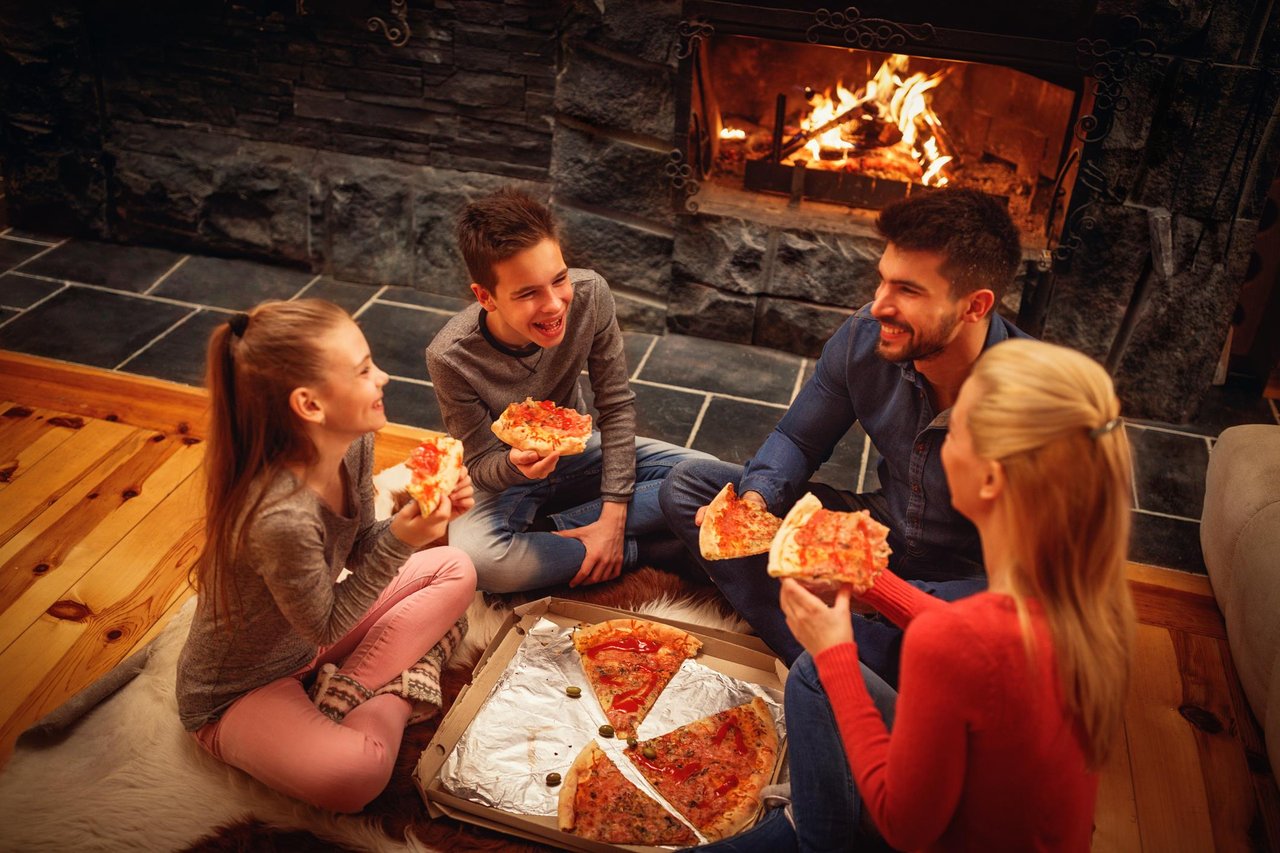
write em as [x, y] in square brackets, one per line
[126, 777]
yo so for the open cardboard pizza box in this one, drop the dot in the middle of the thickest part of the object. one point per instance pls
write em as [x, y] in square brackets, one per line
[737, 655]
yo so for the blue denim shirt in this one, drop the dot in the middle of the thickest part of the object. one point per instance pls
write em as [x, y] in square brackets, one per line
[930, 540]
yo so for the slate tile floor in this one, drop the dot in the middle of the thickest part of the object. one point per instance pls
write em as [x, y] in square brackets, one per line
[150, 311]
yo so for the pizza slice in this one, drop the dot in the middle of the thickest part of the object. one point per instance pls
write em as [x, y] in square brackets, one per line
[544, 427]
[628, 662]
[713, 769]
[598, 802]
[732, 527]
[435, 466]
[824, 548]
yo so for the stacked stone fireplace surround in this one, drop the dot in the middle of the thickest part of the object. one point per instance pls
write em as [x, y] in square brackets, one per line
[342, 138]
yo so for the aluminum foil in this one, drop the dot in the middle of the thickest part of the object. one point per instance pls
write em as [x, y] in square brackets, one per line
[528, 726]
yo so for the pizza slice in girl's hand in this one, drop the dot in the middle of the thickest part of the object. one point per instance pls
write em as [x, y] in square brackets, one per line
[543, 427]
[823, 548]
[713, 769]
[628, 662]
[435, 467]
[732, 527]
[598, 802]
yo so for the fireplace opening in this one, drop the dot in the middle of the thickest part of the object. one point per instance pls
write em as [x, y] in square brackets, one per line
[863, 128]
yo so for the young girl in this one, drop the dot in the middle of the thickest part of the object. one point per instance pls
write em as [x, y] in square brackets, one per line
[1009, 700]
[295, 399]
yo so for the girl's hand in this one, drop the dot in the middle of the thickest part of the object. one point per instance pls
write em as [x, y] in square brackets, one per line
[817, 626]
[463, 495]
[413, 528]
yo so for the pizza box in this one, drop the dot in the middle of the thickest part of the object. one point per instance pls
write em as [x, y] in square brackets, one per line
[737, 655]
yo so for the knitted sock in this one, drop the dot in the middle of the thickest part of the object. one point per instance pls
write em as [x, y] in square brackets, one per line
[336, 694]
[420, 683]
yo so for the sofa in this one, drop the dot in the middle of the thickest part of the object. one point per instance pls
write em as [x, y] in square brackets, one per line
[1240, 538]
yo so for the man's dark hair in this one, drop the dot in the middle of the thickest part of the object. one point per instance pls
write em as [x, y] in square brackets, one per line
[972, 231]
[495, 227]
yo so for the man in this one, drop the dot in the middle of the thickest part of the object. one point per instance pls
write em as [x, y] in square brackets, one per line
[895, 367]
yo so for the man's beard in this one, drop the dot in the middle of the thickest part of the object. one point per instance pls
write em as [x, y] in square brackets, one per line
[924, 347]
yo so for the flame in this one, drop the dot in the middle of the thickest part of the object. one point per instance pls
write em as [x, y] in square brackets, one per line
[732, 133]
[891, 97]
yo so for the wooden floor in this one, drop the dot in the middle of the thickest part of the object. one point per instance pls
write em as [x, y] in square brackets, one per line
[100, 506]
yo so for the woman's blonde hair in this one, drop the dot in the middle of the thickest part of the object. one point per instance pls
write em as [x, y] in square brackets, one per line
[1050, 416]
[254, 362]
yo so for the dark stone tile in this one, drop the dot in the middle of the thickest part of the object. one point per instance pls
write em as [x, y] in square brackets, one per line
[7, 314]
[231, 284]
[706, 365]
[412, 404]
[733, 430]
[349, 295]
[1169, 471]
[179, 356]
[413, 296]
[19, 291]
[666, 414]
[1239, 401]
[14, 252]
[1166, 542]
[133, 268]
[841, 470]
[90, 327]
[871, 481]
[399, 336]
[635, 344]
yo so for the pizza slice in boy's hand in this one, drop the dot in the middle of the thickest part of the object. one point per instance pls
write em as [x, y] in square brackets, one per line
[732, 527]
[713, 769]
[543, 427]
[628, 662]
[435, 467]
[823, 548]
[598, 802]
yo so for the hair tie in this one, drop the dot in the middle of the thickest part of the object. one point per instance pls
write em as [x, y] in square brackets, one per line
[238, 323]
[1099, 432]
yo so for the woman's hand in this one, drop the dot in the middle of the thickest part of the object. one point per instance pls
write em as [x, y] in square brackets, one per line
[817, 626]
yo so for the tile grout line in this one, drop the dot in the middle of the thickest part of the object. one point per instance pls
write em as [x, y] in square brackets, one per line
[165, 300]
[161, 279]
[1168, 430]
[17, 267]
[697, 422]
[795, 389]
[5, 234]
[862, 465]
[426, 383]
[149, 343]
[1275, 410]
[306, 287]
[431, 309]
[652, 384]
[644, 359]
[372, 299]
[38, 302]
[1156, 514]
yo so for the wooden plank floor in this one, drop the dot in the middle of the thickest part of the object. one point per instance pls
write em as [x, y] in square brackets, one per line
[100, 507]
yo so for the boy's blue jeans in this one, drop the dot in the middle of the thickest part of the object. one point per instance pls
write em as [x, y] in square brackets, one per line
[509, 557]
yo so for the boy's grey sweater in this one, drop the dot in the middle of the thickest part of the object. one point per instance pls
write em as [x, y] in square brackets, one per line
[284, 604]
[476, 377]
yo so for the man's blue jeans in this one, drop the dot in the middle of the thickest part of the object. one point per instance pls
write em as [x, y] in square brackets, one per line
[754, 594]
[509, 557]
[824, 800]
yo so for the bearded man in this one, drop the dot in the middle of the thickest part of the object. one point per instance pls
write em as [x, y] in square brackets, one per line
[895, 367]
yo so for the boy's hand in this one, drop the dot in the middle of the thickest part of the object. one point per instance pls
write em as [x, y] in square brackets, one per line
[413, 528]
[817, 626]
[532, 465]
[753, 497]
[603, 540]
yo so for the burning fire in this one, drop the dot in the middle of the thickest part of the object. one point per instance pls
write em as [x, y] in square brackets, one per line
[886, 129]
[732, 133]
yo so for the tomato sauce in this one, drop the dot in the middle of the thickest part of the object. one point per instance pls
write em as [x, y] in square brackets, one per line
[738, 743]
[678, 772]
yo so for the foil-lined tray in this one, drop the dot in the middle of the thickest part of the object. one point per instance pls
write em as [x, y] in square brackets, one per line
[528, 726]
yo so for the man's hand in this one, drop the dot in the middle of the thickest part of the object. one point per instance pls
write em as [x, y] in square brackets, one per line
[753, 497]
[533, 466]
[603, 540]
[817, 626]
[413, 528]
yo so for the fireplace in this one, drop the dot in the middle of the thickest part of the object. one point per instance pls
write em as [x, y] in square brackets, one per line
[1132, 143]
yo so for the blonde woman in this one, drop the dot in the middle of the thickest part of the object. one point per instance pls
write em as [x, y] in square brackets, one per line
[1009, 701]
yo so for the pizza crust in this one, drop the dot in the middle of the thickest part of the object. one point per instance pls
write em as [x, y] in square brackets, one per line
[581, 769]
[713, 546]
[736, 818]
[785, 553]
[446, 478]
[522, 437]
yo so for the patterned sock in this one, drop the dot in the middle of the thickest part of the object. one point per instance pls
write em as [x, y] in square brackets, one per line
[336, 694]
[420, 683]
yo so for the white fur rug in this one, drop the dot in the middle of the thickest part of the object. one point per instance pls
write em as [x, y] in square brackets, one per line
[128, 777]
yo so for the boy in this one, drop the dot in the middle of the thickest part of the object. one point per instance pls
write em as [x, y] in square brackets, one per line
[534, 327]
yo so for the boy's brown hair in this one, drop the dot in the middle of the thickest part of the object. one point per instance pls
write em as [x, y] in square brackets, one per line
[495, 227]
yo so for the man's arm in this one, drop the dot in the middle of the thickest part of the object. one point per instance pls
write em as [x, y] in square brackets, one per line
[808, 432]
